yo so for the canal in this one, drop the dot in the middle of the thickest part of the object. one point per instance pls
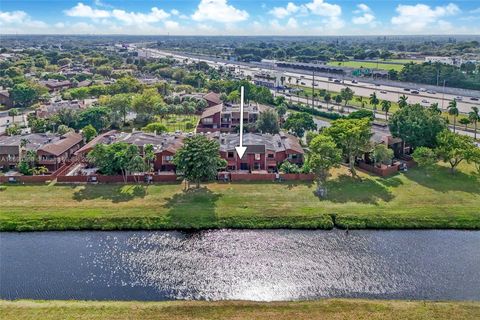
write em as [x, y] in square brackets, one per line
[262, 265]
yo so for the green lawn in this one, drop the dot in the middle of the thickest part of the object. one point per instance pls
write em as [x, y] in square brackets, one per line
[179, 122]
[368, 65]
[411, 200]
[335, 309]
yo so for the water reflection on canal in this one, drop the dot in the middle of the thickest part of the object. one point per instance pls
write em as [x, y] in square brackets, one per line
[260, 265]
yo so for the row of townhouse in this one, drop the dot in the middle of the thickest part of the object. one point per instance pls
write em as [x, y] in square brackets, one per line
[225, 117]
[52, 150]
[264, 152]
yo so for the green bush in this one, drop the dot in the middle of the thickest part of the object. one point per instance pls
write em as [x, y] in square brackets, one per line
[316, 112]
[3, 188]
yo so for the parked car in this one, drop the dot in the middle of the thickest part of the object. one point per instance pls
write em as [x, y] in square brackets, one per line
[458, 98]
[423, 90]
[354, 81]
[336, 81]
[330, 79]
[376, 84]
[383, 91]
[414, 92]
[315, 84]
[431, 92]
[303, 83]
[425, 101]
[406, 89]
[474, 99]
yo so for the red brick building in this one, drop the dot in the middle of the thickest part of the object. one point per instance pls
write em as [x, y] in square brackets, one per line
[265, 152]
[226, 117]
[53, 155]
[164, 145]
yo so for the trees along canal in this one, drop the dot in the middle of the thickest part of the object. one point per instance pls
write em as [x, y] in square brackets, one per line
[198, 160]
[417, 126]
[352, 136]
[324, 155]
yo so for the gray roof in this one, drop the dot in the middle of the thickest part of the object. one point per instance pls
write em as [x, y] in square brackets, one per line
[257, 142]
[34, 140]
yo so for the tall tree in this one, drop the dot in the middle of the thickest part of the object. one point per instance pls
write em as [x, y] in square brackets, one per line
[347, 95]
[13, 113]
[434, 108]
[453, 111]
[454, 148]
[402, 101]
[374, 101]
[299, 122]
[416, 126]
[119, 103]
[199, 159]
[352, 136]
[323, 156]
[474, 117]
[386, 107]
[268, 122]
[425, 157]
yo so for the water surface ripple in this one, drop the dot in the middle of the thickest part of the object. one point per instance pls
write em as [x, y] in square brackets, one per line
[261, 265]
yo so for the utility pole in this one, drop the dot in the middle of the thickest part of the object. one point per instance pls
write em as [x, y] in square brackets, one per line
[313, 89]
[443, 93]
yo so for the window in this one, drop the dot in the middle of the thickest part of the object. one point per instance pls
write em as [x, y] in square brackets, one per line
[167, 158]
[293, 156]
[230, 154]
[207, 120]
[271, 156]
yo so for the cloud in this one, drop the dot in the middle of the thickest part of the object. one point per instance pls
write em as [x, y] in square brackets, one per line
[366, 15]
[417, 18]
[129, 18]
[219, 11]
[84, 11]
[282, 12]
[324, 9]
[169, 24]
[174, 12]
[12, 21]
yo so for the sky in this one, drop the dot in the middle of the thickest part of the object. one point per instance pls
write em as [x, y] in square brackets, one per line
[240, 17]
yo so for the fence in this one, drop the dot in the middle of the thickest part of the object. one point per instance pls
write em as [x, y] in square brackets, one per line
[382, 171]
[117, 179]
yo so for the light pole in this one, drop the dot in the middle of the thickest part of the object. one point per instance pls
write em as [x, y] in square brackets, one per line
[443, 93]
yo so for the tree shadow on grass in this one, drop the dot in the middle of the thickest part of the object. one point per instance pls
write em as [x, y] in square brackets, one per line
[192, 208]
[347, 189]
[293, 184]
[115, 193]
[442, 180]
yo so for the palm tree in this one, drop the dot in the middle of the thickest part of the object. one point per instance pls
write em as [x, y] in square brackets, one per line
[360, 99]
[453, 111]
[402, 101]
[327, 98]
[374, 102]
[434, 108]
[474, 117]
[23, 145]
[386, 107]
[13, 113]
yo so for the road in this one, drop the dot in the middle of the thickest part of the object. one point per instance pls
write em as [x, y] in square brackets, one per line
[384, 92]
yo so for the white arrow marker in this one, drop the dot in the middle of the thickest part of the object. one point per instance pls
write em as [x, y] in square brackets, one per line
[241, 149]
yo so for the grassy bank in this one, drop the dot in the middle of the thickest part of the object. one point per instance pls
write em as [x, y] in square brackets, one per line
[345, 309]
[410, 200]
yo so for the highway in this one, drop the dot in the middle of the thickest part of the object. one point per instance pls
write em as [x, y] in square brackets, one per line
[384, 92]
